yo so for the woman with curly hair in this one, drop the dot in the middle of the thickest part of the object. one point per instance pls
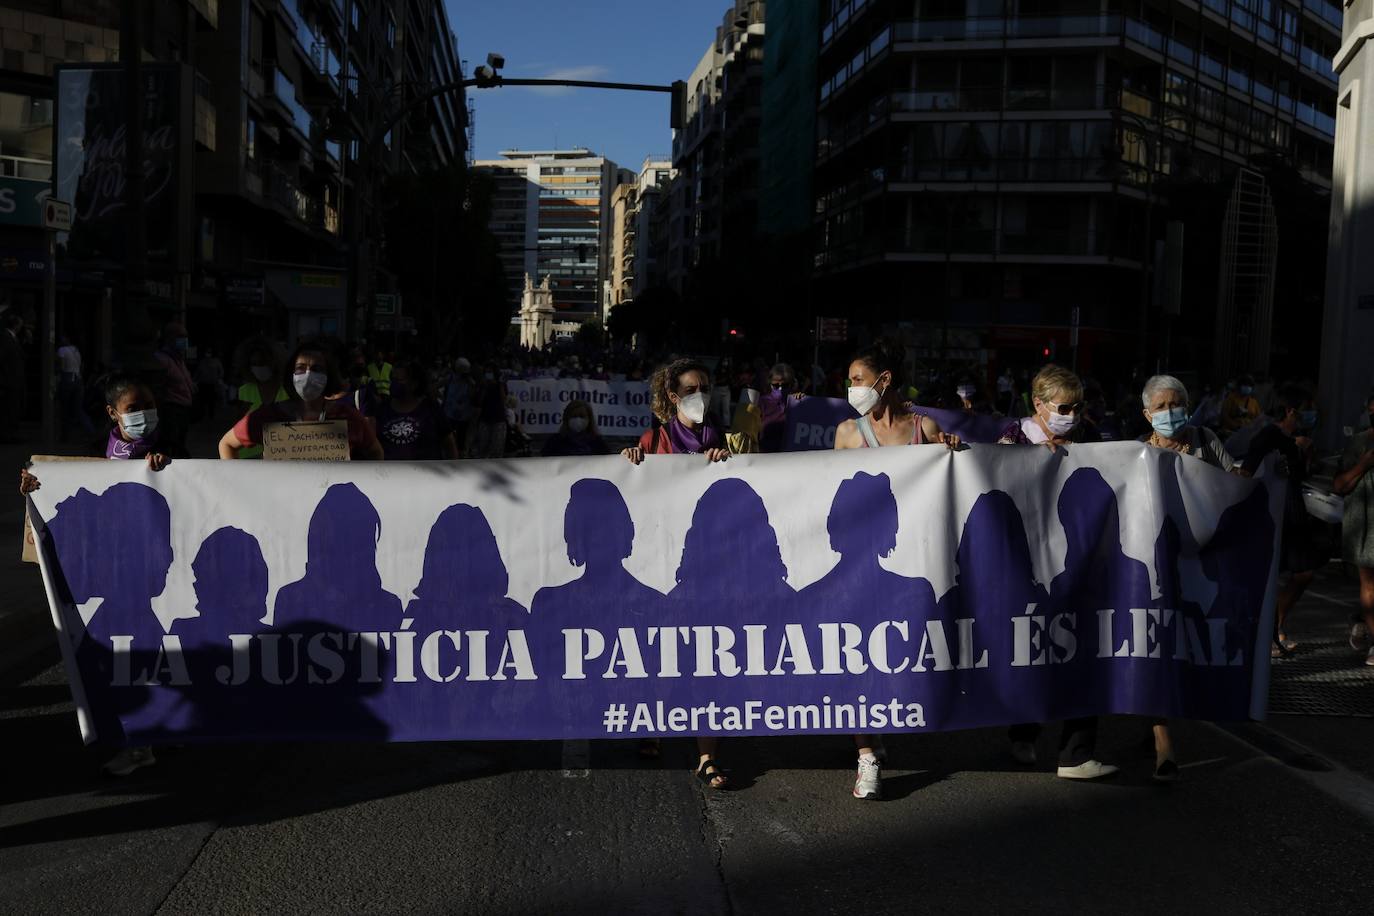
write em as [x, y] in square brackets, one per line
[677, 396]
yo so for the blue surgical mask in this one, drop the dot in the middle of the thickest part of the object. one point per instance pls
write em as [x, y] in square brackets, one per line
[139, 424]
[1169, 422]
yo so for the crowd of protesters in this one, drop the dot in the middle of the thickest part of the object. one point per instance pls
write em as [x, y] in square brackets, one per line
[400, 408]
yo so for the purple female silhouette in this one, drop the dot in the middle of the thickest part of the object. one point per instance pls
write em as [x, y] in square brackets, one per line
[116, 547]
[341, 583]
[995, 583]
[464, 581]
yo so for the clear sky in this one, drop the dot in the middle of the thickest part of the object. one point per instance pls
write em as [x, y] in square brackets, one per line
[627, 41]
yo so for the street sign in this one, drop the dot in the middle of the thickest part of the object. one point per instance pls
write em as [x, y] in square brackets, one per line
[21, 201]
[835, 330]
[57, 214]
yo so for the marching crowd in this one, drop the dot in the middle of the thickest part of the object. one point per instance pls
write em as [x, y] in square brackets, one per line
[404, 409]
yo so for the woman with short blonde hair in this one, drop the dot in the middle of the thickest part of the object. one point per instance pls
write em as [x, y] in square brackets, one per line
[1057, 418]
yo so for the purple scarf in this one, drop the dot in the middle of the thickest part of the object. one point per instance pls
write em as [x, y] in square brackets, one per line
[118, 449]
[693, 442]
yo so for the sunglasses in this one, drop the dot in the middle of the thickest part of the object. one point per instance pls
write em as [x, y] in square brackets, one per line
[1064, 410]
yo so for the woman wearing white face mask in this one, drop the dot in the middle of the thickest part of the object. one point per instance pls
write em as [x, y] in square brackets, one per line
[1165, 401]
[311, 378]
[678, 393]
[877, 392]
[876, 386]
[1057, 413]
[578, 435]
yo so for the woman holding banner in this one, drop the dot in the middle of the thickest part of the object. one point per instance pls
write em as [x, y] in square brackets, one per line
[1057, 419]
[311, 377]
[877, 382]
[677, 397]
[1165, 405]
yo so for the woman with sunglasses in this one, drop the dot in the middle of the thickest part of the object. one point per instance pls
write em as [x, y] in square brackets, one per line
[1057, 413]
[1057, 419]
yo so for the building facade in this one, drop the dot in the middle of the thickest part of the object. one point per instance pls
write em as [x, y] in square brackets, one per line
[552, 215]
[715, 189]
[988, 166]
[280, 96]
[1347, 371]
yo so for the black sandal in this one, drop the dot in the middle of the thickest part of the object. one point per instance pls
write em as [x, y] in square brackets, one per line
[708, 778]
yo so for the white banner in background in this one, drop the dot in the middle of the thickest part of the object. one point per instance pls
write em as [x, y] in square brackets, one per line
[621, 408]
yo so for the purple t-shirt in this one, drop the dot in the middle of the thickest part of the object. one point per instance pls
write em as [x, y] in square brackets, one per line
[120, 450]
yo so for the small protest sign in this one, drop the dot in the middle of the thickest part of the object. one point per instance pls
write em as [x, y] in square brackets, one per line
[318, 440]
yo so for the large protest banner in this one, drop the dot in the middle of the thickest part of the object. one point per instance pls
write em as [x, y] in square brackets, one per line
[811, 423]
[621, 408]
[896, 590]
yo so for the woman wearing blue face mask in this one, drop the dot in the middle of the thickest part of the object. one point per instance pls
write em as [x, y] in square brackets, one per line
[1165, 401]
[577, 435]
[311, 379]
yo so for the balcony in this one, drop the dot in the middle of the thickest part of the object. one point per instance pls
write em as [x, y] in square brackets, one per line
[22, 167]
[1319, 121]
[1318, 63]
[990, 98]
[283, 92]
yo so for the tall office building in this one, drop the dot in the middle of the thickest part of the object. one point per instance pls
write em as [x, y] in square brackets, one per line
[998, 167]
[551, 213]
[716, 154]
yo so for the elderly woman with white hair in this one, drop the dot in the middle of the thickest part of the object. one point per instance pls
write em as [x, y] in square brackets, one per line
[1165, 401]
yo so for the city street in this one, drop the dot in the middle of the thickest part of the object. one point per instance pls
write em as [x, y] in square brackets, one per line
[1272, 818]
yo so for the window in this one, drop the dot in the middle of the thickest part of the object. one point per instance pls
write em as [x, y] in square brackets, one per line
[355, 14]
[250, 139]
[390, 31]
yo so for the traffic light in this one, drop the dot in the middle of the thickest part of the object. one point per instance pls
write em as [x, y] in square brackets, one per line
[1048, 350]
[677, 118]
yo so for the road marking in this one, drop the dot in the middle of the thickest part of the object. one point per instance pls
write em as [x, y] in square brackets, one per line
[576, 758]
[1344, 786]
[1341, 601]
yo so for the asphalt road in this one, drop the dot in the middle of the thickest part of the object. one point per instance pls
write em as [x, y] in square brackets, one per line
[488, 828]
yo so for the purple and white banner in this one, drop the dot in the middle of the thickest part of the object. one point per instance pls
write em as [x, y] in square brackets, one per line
[811, 423]
[882, 590]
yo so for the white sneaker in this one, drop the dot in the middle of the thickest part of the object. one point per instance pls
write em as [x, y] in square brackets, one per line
[1359, 637]
[868, 783]
[1089, 769]
[128, 760]
[1024, 753]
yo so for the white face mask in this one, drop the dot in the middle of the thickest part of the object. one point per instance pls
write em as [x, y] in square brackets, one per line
[863, 399]
[310, 385]
[577, 424]
[693, 407]
[1058, 423]
[139, 424]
